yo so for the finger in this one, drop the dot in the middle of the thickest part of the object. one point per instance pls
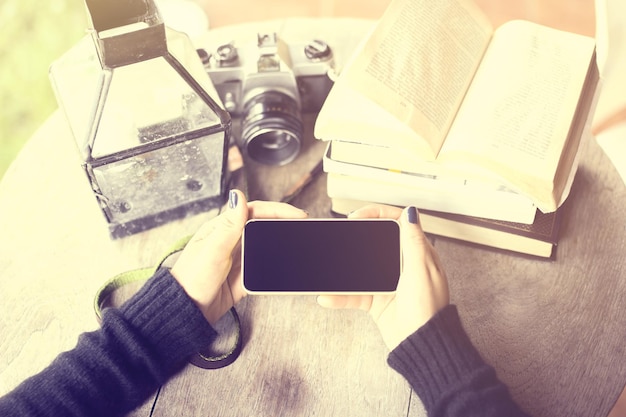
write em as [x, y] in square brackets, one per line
[415, 245]
[274, 210]
[415, 250]
[419, 258]
[230, 224]
[360, 302]
[379, 211]
[235, 281]
[422, 272]
[206, 261]
[234, 217]
[210, 248]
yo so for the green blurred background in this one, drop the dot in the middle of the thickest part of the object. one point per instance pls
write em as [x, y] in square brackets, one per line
[33, 33]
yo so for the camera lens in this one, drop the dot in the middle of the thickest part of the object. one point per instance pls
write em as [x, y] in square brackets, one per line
[271, 128]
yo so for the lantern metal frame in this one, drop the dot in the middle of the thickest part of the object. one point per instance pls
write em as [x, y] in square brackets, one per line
[127, 33]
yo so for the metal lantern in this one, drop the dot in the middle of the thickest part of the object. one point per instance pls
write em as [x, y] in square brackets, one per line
[149, 125]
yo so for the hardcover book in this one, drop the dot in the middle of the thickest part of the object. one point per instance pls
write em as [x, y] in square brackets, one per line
[537, 239]
[440, 192]
[436, 80]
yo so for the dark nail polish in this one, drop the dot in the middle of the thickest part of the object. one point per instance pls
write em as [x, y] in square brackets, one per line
[412, 215]
[233, 199]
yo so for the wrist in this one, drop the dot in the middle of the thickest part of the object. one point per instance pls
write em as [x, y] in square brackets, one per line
[168, 318]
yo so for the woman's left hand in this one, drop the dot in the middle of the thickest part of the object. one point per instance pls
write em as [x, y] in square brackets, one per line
[209, 268]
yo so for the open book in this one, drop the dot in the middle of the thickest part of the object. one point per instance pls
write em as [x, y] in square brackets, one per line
[435, 80]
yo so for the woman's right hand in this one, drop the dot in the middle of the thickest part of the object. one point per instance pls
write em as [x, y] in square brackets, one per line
[422, 289]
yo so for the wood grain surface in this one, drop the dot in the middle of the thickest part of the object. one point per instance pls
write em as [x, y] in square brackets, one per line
[553, 330]
[547, 327]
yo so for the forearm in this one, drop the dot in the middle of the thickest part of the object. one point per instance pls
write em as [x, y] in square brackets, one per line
[448, 373]
[114, 369]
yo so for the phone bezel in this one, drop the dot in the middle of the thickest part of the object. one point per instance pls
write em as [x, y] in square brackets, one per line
[290, 292]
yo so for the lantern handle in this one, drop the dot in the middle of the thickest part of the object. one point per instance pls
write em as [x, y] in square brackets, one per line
[110, 14]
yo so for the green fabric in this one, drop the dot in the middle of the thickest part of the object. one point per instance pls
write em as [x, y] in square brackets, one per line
[143, 274]
[129, 277]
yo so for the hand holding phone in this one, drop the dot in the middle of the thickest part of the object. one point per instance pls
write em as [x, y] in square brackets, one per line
[209, 268]
[423, 287]
[337, 256]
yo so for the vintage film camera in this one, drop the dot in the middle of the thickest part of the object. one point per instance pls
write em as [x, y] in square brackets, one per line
[267, 86]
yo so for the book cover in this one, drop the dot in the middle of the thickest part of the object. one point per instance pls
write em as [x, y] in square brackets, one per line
[538, 239]
[545, 226]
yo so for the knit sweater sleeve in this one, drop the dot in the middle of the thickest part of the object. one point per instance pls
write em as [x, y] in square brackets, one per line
[114, 369]
[447, 372]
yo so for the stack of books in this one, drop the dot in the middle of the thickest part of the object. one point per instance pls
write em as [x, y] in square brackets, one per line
[478, 128]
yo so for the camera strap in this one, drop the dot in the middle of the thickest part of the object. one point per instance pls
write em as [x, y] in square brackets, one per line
[201, 360]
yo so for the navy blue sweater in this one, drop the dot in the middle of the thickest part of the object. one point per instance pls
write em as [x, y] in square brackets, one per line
[448, 374]
[141, 345]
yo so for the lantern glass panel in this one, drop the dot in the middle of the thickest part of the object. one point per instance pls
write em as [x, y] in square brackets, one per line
[149, 125]
[184, 176]
[77, 79]
[162, 105]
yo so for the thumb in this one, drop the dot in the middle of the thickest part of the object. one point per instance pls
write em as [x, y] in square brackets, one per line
[208, 253]
[423, 279]
[417, 253]
[206, 261]
[224, 231]
[415, 245]
[227, 228]
[360, 302]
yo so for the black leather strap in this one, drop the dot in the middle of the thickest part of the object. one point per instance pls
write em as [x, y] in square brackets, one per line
[208, 361]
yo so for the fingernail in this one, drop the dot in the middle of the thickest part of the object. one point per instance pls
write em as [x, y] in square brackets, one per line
[233, 199]
[412, 215]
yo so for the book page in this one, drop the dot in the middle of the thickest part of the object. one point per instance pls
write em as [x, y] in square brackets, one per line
[517, 114]
[348, 116]
[419, 61]
[613, 142]
[611, 50]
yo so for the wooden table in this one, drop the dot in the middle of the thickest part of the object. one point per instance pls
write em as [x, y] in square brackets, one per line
[553, 330]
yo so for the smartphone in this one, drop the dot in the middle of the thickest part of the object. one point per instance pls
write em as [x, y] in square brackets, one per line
[338, 256]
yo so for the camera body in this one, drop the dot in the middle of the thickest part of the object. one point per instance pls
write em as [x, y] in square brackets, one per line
[268, 86]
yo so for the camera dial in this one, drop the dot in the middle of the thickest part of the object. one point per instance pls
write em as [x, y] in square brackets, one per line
[226, 54]
[317, 50]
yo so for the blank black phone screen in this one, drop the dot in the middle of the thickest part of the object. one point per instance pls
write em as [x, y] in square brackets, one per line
[321, 255]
